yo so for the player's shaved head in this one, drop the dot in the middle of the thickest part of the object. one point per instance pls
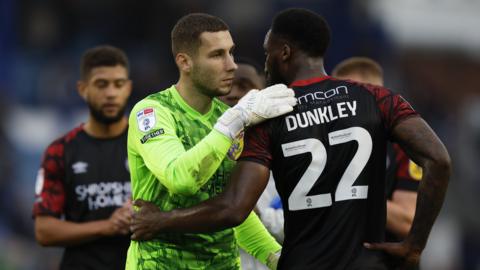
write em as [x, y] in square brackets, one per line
[186, 33]
[304, 29]
[362, 69]
[102, 56]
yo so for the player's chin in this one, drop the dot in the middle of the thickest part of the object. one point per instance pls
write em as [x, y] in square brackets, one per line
[110, 112]
[224, 89]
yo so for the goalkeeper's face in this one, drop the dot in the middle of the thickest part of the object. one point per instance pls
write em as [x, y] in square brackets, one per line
[213, 66]
[106, 91]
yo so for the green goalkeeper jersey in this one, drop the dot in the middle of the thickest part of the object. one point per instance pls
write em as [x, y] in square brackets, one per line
[177, 160]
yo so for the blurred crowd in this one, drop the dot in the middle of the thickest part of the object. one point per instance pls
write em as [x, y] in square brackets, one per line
[41, 42]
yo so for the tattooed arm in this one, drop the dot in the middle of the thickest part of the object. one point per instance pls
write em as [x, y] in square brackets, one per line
[424, 147]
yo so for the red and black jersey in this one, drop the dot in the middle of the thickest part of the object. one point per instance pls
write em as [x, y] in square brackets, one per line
[328, 162]
[85, 179]
[402, 172]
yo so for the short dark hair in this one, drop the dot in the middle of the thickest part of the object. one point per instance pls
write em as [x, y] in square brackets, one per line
[186, 32]
[249, 61]
[362, 65]
[303, 28]
[101, 56]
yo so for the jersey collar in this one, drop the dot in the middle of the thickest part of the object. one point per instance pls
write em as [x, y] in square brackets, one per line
[310, 81]
[191, 111]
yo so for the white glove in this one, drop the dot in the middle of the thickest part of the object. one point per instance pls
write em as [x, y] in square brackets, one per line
[255, 107]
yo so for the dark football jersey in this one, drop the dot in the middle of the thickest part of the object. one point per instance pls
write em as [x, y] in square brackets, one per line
[85, 179]
[402, 174]
[328, 162]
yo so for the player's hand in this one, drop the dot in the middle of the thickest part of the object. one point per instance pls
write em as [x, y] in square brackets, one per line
[119, 222]
[256, 106]
[145, 221]
[406, 256]
[268, 103]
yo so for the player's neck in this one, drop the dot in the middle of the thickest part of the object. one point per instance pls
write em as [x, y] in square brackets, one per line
[193, 97]
[306, 68]
[100, 130]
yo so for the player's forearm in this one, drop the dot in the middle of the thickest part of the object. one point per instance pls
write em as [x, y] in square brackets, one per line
[212, 215]
[254, 238]
[424, 147]
[229, 209]
[431, 193]
[185, 172]
[399, 219]
[51, 231]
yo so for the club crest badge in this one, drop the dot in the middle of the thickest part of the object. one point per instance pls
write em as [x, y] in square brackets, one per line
[237, 147]
[146, 119]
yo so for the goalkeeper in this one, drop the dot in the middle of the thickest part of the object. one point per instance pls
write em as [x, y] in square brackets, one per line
[178, 142]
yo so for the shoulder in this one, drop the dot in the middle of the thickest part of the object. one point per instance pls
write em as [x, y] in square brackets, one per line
[152, 111]
[379, 92]
[153, 103]
[56, 149]
[66, 138]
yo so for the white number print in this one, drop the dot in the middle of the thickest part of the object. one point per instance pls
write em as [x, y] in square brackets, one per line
[299, 200]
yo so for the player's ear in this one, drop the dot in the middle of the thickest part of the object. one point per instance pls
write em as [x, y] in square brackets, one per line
[184, 62]
[82, 89]
[286, 52]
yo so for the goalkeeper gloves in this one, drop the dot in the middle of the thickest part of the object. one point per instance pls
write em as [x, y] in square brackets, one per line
[255, 107]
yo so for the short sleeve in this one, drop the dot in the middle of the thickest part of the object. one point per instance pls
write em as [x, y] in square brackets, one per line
[49, 187]
[393, 107]
[257, 146]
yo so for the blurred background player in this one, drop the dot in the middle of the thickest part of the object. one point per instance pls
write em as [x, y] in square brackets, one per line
[403, 175]
[83, 186]
[178, 141]
[249, 75]
[328, 160]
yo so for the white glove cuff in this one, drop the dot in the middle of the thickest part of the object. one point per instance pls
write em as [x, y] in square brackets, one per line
[231, 123]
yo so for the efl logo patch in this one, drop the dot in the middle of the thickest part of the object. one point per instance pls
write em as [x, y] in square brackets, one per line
[146, 119]
[152, 135]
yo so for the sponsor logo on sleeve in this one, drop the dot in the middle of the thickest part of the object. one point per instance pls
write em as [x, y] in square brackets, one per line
[146, 119]
[152, 135]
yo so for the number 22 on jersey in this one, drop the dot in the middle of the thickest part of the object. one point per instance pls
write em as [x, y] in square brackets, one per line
[298, 199]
